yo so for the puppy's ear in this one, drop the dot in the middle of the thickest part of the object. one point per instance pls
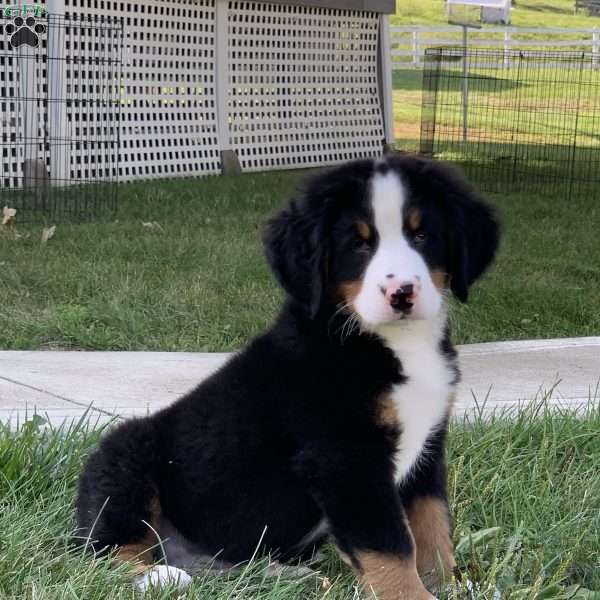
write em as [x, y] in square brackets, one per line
[295, 247]
[473, 229]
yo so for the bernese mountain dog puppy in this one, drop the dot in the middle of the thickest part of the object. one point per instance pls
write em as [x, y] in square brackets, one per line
[331, 425]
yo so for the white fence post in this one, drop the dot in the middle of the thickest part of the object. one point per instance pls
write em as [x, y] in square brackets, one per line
[415, 36]
[385, 62]
[229, 159]
[596, 48]
[58, 135]
[29, 109]
[465, 83]
[507, 43]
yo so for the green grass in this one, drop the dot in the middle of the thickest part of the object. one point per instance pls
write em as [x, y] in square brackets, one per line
[526, 13]
[525, 493]
[199, 282]
[521, 132]
[543, 107]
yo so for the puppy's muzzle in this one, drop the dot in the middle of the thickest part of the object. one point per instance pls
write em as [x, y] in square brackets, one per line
[401, 296]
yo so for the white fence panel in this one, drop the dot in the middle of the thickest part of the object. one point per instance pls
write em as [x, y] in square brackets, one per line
[281, 85]
[302, 85]
[23, 77]
[168, 97]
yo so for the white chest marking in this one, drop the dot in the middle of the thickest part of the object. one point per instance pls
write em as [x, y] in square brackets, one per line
[422, 401]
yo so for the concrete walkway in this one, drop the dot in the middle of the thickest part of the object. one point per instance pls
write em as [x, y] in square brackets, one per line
[63, 385]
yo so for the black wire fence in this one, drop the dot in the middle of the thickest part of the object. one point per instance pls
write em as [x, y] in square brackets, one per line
[517, 121]
[59, 115]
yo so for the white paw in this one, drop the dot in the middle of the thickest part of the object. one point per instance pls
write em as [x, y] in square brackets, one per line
[162, 575]
[473, 590]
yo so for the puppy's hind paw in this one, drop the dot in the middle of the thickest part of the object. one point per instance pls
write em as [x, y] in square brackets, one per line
[162, 575]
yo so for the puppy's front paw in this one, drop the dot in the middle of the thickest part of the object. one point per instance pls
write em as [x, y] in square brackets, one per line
[473, 591]
[162, 575]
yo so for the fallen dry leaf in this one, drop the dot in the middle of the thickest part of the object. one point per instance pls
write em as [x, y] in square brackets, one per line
[8, 226]
[8, 217]
[48, 233]
[152, 225]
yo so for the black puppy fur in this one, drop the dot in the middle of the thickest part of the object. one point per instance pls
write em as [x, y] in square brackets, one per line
[286, 434]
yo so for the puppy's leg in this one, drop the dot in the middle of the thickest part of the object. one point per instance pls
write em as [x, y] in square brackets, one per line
[430, 523]
[117, 503]
[424, 496]
[355, 488]
[389, 576]
[138, 555]
[140, 558]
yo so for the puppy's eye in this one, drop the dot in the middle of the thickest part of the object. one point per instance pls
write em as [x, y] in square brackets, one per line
[361, 245]
[419, 237]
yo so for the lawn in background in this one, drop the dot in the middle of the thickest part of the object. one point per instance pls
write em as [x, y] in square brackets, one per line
[192, 278]
[524, 491]
[181, 267]
[537, 107]
[525, 13]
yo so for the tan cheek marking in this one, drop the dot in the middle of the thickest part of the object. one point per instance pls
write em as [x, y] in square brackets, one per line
[440, 279]
[415, 218]
[430, 524]
[349, 290]
[364, 230]
[390, 577]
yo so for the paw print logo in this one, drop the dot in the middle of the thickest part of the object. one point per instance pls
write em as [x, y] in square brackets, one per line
[24, 32]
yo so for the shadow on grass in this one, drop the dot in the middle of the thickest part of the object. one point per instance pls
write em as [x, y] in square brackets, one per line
[547, 8]
[412, 80]
[513, 167]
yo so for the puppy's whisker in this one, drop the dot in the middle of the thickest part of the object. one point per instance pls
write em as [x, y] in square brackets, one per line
[340, 308]
[342, 329]
[350, 325]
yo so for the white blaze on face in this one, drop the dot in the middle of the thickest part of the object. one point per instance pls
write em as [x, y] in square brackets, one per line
[393, 256]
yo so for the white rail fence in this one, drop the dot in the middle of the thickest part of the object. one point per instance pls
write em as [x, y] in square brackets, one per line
[408, 44]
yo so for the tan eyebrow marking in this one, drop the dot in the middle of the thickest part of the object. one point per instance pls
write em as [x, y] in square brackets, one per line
[364, 230]
[415, 218]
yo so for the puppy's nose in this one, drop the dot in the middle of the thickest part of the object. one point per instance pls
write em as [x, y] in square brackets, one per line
[401, 295]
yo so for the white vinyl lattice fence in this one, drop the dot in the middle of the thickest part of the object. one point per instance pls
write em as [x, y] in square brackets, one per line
[282, 86]
[302, 85]
[168, 96]
[59, 101]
